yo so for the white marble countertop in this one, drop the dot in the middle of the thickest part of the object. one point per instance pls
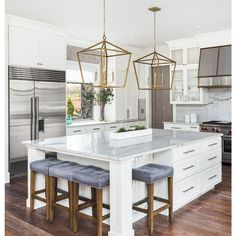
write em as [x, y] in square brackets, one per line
[99, 146]
[94, 122]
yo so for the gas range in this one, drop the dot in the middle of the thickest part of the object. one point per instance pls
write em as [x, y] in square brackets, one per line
[214, 126]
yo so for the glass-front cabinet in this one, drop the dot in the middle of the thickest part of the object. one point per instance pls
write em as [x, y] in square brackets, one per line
[185, 84]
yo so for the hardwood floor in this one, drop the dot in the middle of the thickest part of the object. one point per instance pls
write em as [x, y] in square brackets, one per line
[207, 216]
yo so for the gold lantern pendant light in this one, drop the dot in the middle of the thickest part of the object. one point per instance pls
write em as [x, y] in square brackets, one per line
[154, 61]
[106, 55]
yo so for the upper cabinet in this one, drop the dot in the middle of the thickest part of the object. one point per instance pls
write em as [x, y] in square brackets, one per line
[36, 49]
[215, 67]
[185, 84]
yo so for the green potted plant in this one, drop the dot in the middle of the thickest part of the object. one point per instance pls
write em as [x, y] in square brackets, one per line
[103, 97]
[70, 111]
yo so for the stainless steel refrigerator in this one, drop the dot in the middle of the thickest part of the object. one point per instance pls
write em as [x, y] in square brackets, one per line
[37, 108]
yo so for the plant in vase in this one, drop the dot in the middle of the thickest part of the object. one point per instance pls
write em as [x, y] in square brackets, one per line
[87, 100]
[103, 97]
[70, 111]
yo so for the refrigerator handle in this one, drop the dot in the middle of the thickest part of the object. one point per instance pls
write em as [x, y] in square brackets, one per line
[36, 117]
[32, 103]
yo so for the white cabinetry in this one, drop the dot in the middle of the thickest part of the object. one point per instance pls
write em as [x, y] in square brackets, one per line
[24, 47]
[31, 48]
[181, 127]
[81, 129]
[185, 85]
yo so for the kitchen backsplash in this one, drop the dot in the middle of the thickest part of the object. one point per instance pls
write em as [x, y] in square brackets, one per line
[218, 107]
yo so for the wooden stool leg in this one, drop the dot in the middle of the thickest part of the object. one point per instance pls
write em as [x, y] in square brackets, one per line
[32, 190]
[170, 198]
[150, 190]
[99, 211]
[47, 194]
[70, 191]
[53, 193]
[74, 212]
[93, 197]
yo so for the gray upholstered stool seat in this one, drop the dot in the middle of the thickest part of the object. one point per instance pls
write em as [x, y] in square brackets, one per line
[65, 170]
[91, 175]
[152, 172]
[42, 166]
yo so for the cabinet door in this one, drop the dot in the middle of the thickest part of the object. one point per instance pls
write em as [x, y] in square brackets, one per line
[224, 63]
[53, 51]
[178, 86]
[178, 56]
[208, 62]
[24, 46]
[193, 92]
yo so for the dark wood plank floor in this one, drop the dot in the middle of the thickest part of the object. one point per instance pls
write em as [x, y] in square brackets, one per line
[208, 215]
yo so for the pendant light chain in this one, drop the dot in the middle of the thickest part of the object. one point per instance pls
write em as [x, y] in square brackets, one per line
[104, 19]
[154, 31]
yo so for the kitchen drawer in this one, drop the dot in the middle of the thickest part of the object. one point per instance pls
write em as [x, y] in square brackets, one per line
[131, 125]
[185, 191]
[212, 143]
[75, 130]
[186, 168]
[210, 177]
[176, 127]
[194, 128]
[91, 129]
[113, 127]
[193, 149]
[211, 158]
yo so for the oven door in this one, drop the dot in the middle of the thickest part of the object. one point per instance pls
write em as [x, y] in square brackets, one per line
[226, 149]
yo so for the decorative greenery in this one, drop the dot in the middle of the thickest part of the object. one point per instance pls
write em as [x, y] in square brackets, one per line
[70, 107]
[104, 96]
[87, 100]
[138, 127]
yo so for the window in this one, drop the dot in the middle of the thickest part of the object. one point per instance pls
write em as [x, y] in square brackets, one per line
[79, 94]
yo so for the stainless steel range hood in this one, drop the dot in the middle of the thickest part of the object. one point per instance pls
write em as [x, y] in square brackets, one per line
[215, 67]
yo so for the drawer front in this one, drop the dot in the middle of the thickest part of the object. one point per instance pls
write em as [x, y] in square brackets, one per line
[132, 125]
[194, 128]
[211, 158]
[186, 168]
[212, 143]
[210, 177]
[185, 191]
[176, 127]
[91, 129]
[112, 127]
[197, 148]
[75, 130]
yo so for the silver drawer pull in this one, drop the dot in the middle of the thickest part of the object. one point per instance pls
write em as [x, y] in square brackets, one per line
[193, 127]
[96, 128]
[113, 127]
[189, 167]
[213, 144]
[212, 177]
[212, 158]
[172, 127]
[77, 131]
[185, 191]
[189, 151]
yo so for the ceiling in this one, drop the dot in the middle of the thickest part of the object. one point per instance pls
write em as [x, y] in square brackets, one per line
[128, 21]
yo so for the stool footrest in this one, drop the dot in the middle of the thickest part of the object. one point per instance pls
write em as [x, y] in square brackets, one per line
[40, 191]
[159, 199]
[40, 198]
[157, 211]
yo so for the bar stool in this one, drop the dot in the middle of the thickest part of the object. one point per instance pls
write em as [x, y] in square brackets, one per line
[63, 171]
[97, 178]
[149, 174]
[42, 167]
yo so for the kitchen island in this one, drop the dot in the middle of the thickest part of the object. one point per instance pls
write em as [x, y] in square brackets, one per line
[196, 158]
